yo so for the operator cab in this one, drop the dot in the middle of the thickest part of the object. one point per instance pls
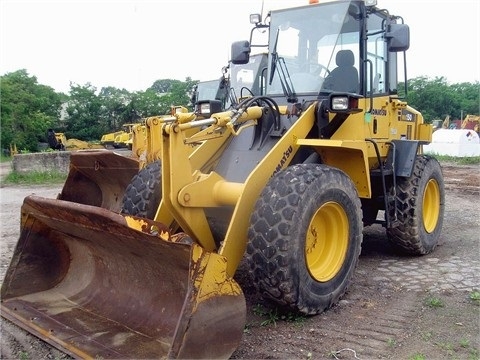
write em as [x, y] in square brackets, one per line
[320, 49]
[238, 81]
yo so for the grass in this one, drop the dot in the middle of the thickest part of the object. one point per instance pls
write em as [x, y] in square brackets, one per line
[473, 160]
[434, 302]
[447, 347]
[417, 357]
[474, 354]
[4, 158]
[475, 296]
[391, 342]
[426, 335]
[247, 329]
[451, 344]
[35, 178]
[273, 316]
[464, 343]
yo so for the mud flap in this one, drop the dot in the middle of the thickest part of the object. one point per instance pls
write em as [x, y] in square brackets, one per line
[98, 178]
[96, 284]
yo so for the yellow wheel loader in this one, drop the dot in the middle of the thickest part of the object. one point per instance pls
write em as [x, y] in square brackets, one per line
[124, 138]
[108, 139]
[284, 181]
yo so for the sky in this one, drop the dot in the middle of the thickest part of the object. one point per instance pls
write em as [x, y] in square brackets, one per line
[130, 44]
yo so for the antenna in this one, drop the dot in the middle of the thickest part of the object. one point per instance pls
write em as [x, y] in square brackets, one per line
[261, 11]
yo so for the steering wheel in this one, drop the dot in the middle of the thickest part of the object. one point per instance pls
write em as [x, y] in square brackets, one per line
[317, 69]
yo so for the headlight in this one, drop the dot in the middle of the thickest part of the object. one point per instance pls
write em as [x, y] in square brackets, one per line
[339, 103]
[255, 19]
[205, 108]
[344, 103]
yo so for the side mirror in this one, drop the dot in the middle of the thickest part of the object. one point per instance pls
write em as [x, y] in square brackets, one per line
[398, 36]
[240, 52]
[194, 94]
[354, 11]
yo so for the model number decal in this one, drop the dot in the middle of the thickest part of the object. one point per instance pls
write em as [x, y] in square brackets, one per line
[407, 116]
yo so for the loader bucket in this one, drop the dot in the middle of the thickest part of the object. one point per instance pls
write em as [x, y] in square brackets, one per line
[85, 280]
[98, 178]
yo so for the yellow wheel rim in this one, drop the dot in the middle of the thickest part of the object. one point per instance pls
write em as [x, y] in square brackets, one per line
[431, 205]
[327, 241]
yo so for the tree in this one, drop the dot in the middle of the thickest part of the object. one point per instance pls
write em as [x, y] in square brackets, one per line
[469, 95]
[180, 93]
[162, 86]
[84, 113]
[115, 108]
[146, 103]
[436, 98]
[158, 98]
[28, 109]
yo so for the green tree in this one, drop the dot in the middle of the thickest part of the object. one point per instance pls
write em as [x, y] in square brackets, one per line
[162, 86]
[180, 93]
[115, 108]
[28, 109]
[84, 113]
[436, 98]
[174, 93]
[146, 103]
[469, 98]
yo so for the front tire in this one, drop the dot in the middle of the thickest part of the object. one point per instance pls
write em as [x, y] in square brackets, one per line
[420, 206]
[305, 238]
[144, 192]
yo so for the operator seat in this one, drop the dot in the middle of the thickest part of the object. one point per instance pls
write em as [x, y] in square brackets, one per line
[345, 76]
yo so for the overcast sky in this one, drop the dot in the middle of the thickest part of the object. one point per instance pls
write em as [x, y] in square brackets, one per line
[130, 44]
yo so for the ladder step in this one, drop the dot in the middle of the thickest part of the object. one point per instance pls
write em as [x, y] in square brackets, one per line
[377, 172]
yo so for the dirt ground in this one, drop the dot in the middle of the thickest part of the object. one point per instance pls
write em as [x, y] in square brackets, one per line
[398, 307]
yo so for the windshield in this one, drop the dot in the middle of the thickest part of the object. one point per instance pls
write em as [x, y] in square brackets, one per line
[314, 48]
[248, 79]
[208, 90]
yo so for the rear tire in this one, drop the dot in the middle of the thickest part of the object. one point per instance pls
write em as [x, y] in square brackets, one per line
[144, 192]
[305, 238]
[420, 206]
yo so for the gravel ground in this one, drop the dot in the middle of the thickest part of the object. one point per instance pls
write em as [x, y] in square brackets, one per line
[387, 313]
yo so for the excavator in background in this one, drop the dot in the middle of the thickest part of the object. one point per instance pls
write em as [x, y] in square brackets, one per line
[446, 122]
[58, 141]
[439, 124]
[285, 181]
[471, 122]
[13, 149]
